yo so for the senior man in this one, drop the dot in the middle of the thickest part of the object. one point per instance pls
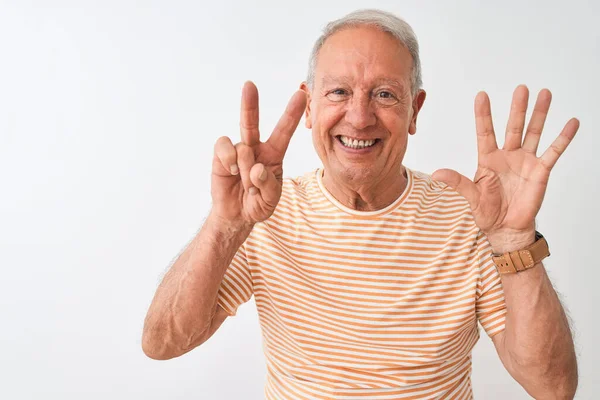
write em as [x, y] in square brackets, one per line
[370, 277]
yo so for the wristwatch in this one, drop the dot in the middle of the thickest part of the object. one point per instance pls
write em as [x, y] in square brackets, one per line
[521, 260]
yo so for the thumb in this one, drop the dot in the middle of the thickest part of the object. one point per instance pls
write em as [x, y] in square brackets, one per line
[269, 189]
[463, 185]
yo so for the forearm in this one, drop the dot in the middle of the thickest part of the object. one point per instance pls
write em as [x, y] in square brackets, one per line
[185, 301]
[537, 339]
[537, 344]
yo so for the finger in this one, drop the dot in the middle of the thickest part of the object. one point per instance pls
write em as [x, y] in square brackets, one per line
[553, 153]
[245, 159]
[516, 119]
[226, 154]
[463, 185]
[249, 115]
[282, 134]
[265, 185]
[486, 138]
[537, 121]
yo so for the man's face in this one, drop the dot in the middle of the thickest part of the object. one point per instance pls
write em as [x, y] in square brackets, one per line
[362, 92]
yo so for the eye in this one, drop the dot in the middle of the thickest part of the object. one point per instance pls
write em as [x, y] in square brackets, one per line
[386, 98]
[385, 95]
[337, 94]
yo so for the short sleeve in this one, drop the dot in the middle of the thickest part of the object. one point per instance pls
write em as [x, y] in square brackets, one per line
[236, 287]
[490, 307]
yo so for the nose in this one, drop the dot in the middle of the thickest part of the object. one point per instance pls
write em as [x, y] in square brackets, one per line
[359, 112]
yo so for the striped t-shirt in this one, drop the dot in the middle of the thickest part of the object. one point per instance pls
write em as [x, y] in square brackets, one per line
[368, 304]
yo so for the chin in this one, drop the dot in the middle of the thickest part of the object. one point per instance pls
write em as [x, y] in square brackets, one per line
[358, 174]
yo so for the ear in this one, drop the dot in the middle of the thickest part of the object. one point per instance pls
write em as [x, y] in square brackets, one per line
[417, 104]
[307, 118]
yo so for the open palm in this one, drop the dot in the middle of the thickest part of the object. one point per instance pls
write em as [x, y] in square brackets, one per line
[509, 185]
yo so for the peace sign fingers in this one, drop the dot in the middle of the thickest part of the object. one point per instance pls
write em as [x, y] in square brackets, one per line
[285, 128]
[249, 115]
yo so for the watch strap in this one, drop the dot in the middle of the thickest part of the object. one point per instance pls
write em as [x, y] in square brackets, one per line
[521, 260]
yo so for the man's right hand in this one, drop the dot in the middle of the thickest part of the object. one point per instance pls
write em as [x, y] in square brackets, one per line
[247, 178]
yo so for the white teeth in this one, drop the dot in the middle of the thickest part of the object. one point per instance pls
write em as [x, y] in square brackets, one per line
[355, 143]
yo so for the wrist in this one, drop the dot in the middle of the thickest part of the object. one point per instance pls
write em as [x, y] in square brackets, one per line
[508, 240]
[228, 226]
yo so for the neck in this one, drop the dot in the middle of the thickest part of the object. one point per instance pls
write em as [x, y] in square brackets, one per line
[371, 195]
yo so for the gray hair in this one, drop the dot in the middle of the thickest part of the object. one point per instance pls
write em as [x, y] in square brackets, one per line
[385, 21]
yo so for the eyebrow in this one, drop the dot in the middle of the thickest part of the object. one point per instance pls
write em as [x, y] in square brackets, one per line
[326, 80]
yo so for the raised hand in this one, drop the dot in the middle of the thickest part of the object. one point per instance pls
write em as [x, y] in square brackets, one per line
[247, 178]
[509, 185]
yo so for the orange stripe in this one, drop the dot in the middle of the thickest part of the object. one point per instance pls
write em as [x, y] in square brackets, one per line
[368, 305]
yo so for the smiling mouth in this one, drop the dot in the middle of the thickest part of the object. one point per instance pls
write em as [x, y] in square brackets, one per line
[355, 143]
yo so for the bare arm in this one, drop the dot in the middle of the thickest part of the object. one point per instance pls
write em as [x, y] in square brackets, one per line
[181, 314]
[246, 185]
[505, 197]
[536, 347]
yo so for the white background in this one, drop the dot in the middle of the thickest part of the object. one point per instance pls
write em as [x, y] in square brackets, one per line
[108, 115]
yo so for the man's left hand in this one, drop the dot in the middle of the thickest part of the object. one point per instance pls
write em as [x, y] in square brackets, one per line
[509, 185]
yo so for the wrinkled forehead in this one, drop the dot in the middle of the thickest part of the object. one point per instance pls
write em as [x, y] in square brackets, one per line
[363, 55]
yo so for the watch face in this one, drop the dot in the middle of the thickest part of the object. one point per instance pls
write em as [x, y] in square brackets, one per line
[538, 235]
